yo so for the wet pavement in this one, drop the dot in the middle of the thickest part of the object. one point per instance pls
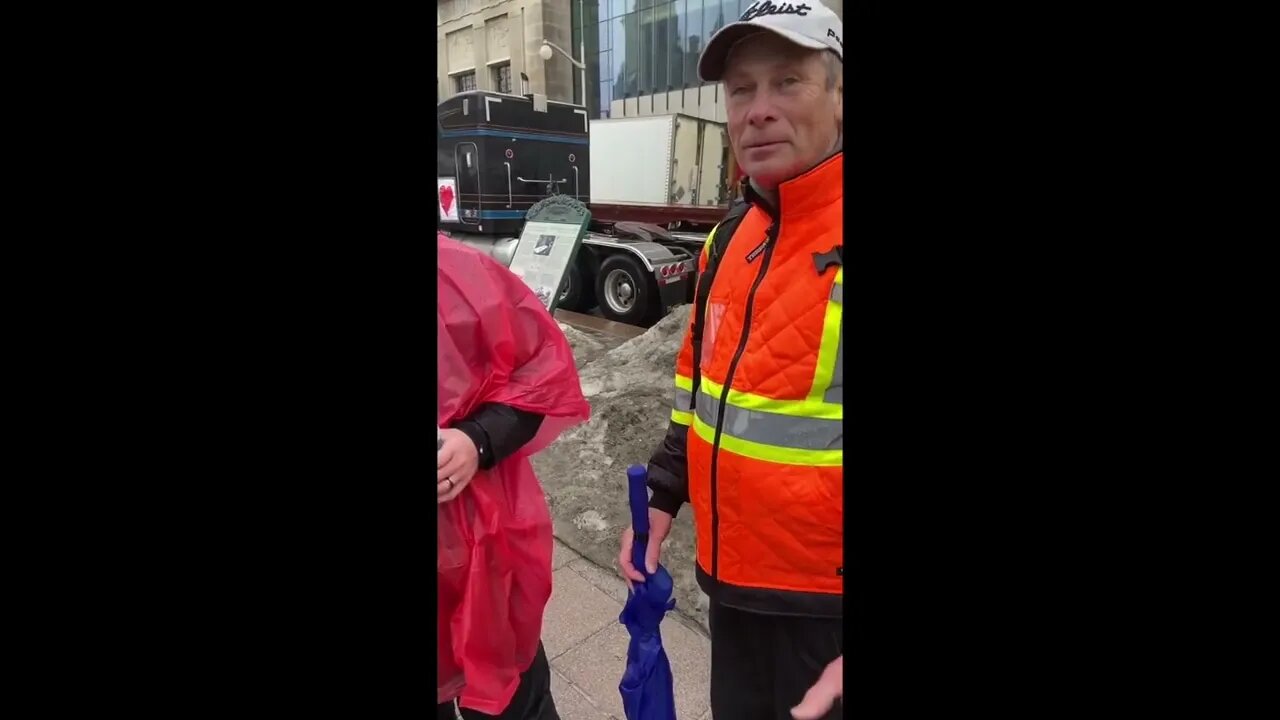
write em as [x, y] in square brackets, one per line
[587, 646]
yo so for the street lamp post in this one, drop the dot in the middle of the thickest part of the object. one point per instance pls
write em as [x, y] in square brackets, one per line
[544, 52]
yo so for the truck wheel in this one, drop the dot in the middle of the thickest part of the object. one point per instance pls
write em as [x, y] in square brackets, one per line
[574, 293]
[627, 292]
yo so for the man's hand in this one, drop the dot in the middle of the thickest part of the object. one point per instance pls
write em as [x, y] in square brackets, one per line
[818, 701]
[456, 463]
[659, 526]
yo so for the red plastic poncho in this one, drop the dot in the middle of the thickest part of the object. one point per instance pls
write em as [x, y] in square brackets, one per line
[497, 344]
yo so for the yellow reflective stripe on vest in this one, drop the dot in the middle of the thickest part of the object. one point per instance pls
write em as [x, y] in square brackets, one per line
[768, 453]
[828, 381]
[818, 409]
[706, 246]
[682, 418]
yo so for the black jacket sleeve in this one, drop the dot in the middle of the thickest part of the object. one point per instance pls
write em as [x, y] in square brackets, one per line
[669, 471]
[498, 431]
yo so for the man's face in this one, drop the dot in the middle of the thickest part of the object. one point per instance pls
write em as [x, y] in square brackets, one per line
[783, 118]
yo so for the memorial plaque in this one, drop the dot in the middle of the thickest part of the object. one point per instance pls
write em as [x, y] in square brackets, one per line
[548, 246]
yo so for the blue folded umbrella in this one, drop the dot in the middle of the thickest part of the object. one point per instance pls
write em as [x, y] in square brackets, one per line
[648, 691]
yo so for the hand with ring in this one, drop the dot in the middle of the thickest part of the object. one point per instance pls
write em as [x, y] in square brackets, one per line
[456, 463]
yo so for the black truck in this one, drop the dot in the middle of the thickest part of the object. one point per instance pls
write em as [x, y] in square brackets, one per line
[500, 154]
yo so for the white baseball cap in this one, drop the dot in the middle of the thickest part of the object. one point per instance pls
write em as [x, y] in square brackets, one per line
[807, 23]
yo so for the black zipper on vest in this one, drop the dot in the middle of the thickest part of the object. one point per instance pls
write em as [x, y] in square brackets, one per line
[771, 239]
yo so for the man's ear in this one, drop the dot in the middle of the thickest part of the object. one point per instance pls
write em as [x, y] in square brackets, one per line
[840, 102]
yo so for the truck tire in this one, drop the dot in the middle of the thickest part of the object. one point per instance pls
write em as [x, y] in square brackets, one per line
[575, 294]
[627, 292]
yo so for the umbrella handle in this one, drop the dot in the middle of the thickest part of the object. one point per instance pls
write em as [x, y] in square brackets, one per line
[637, 552]
[638, 493]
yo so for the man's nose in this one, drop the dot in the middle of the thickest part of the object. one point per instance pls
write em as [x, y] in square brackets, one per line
[760, 111]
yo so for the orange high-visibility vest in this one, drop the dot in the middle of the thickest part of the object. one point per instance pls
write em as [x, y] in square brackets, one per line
[765, 444]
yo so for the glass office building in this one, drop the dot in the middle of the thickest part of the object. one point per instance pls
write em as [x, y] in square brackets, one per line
[643, 55]
[646, 48]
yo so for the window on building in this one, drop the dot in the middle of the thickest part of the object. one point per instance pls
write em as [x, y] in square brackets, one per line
[648, 83]
[463, 82]
[605, 98]
[715, 15]
[664, 22]
[467, 81]
[691, 38]
[608, 67]
[502, 77]
[599, 70]
[628, 73]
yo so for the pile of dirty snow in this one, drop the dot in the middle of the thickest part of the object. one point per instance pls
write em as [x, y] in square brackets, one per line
[586, 345]
[630, 389]
[645, 362]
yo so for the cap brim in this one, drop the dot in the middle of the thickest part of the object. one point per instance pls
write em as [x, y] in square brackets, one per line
[711, 64]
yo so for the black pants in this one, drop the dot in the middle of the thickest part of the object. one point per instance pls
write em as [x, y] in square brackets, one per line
[532, 700]
[762, 665]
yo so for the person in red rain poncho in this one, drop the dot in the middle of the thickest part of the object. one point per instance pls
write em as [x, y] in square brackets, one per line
[508, 385]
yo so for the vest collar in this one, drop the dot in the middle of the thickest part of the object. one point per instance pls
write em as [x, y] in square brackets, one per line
[812, 191]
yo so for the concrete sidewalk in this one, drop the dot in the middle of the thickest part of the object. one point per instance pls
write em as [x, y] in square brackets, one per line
[587, 645]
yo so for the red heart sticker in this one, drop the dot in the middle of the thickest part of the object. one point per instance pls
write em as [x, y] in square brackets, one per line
[446, 198]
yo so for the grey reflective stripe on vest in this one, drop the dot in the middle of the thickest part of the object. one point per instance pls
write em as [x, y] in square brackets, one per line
[767, 428]
[684, 400]
[835, 393]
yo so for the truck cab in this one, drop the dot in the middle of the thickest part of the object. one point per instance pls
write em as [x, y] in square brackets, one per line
[501, 155]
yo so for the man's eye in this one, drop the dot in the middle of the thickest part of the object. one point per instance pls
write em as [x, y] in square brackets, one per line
[737, 90]
[790, 81]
